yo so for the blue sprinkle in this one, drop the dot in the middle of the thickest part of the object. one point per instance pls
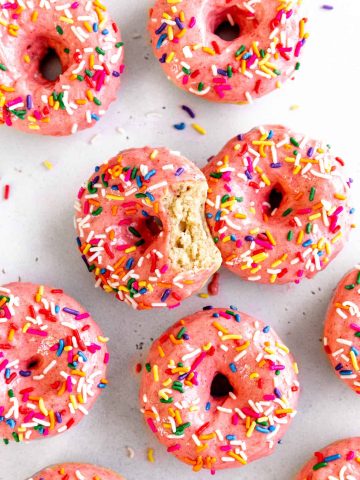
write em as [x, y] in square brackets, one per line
[103, 271]
[165, 295]
[207, 406]
[277, 392]
[249, 238]
[11, 422]
[233, 237]
[145, 214]
[332, 458]
[352, 211]
[272, 428]
[115, 187]
[161, 40]
[142, 291]
[160, 29]
[105, 32]
[150, 196]
[240, 137]
[129, 263]
[339, 366]
[58, 417]
[138, 181]
[95, 27]
[233, 367]
[270, 136]
[57, 309]
[355, 350]
[95, 117]
[218, 216]
[261, 429]
[7, 373]
[248, 174]
[346, 372]
[82, 355]
[71, 311]
[208, 307]
[60, 348]
[180, 126]
[234, 307]
[209, 215]
[150, 174]
[25, 373]
[220, 71]
[307, 243]
[246, 56]
[310, 152]
[186, 336]
[102, 385]
[266, 329]
[230, 437]
[216, 315]
[115, 74]
[237, 318]
[29, 102]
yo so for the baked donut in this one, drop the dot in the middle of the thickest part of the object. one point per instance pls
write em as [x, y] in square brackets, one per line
[342, 330]
[340, 460]
[52, 362]
[142, 229]
[219, 389]
[278, 205]
[189, 39]
[76, 471]
[88, 46]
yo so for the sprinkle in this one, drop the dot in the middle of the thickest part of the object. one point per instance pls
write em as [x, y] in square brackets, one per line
[198, 129]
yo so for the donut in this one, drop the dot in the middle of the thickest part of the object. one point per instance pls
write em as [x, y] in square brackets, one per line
[87, 44]
[76, 471]
[338, 460]
[219, 389]
[142, 230]
[188, 40]
[278, 205]
[53, 361]
[342, 330]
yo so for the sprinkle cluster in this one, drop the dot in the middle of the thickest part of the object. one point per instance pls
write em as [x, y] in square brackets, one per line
[52, 362]
[238, 71]
[342, 330]
[89, 46]
[214, 425]
[341, 460]
[278, 205]
[73, 471]
[123, 227]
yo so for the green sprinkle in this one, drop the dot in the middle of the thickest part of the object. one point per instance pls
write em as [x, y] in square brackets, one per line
[358, 279]
[133, 173]
[312, 194]
[169, 400]
[140, 195]
[277, 372]
[97, 101]
[297, 66]
[100, 51]
[357, 334]
[216, 239]
[90, 188]
[320, 465]
[67, 50]
[97, 211]
[216, 174]
[294, 142]
[80, 78]
[225, 198]
[201, 87]
[187, 71]
[148, 367]
[88, 72]
[16, 437]
[290, 235]
[6, 441]
[59, 30]
[287, 212]
[229, 71]
[308, 228]
[119, 44]
[181, 333]
[139, 243]
[240, 50]
[350, 287]
[106, 184]
[262, 53]
[134, 232]
[11, 393]
[277, 72]
[2, 67]
[239, 199]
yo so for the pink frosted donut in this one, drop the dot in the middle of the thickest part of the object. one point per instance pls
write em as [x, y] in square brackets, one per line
[278, 205]
[340, 460]
[220, 389]
[142, 229]
[342, 330]
[187, 40]
[88, 45]
[76, 471]
[52, 362]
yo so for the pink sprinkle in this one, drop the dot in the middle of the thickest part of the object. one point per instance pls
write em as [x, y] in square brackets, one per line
[106, 358]
[81, 192]
[235, 419]
[176, 305]
[34, 331]
[354, 326]
[68, 384]
[350, 455]
[185, 79]
[3, 364]
[227, 187]
[173, 448]
[225, 448]
[269, 398]
[164, 268]
[266, 245]
[192, 22]
[82, 316]
[152, 425]
[250, 413]
[224, 315]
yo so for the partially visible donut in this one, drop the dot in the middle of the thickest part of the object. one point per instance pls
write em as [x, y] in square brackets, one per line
[89, 47]
[340, 460]
[342, 330]
[53, 361]
[219, 389]
[278, 205]
[76, 471]
[141, 228]
[187, 40]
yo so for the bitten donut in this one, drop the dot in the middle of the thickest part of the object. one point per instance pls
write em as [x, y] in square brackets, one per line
[53, 360]
[187, 40]
[142, 229]
[219, 389]
[88, 45]
[76, 471]
[278, 205]
[342, 330]
[340, 460]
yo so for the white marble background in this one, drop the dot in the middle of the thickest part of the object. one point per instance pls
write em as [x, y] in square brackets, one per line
[37, 243]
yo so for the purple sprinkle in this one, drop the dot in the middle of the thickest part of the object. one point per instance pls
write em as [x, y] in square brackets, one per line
[28, 102]
[165, 295]
[160, 29]
[179, 171]
[275, 165]
[179, 24]
[249, 238]
[327, 7]
[310, 152]
[58, 417]
[240, 137]
[71, 311]
[188, 111]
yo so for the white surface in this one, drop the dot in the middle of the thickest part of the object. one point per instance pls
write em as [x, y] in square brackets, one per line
[37, 243]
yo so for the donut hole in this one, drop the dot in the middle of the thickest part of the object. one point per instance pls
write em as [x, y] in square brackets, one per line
[228, 31]
[34, 362]
[50, 65]
[220, 386]
[227, 24]
[276, 197]
[154, 226]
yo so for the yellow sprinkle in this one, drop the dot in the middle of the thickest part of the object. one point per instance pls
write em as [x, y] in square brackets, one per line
[251, 429]
[224, 338]
[354, 361]
[337, 237]
[156, 373]
[218, 326]
[198, 128]
[254, 375]
[150, 455]
[339, 196]
[315, 216]
[170, 57]
[42, 407]
[47, 164]
[294, 107]
[237, 457]
[270, 237]
[154, 154]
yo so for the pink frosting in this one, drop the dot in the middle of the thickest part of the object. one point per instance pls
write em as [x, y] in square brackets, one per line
[89, 47]
[278, 205]
[218, 430]
[52, 362]
[340, 460]
[197, 60]
[342, 330]
[116, 244]
[76, 471]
